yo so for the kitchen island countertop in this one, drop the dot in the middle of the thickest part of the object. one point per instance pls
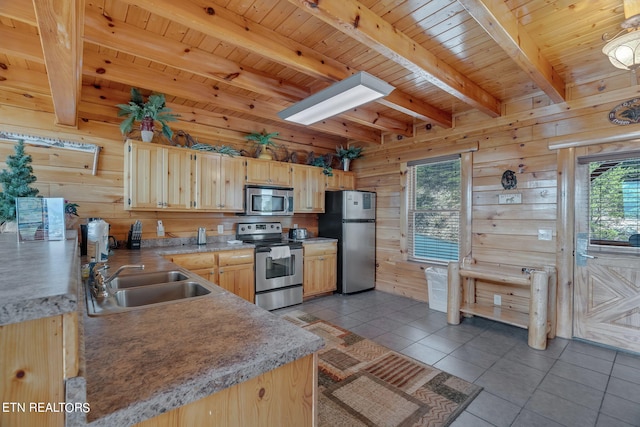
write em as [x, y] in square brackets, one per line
[37, 279]
[141, 363]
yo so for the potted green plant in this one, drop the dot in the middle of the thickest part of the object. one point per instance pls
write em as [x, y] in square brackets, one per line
[348, 154]
[16, 182]
[147, 113]
[263, 140]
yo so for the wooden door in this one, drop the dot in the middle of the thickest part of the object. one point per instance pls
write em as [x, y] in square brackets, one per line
[239, 280]
[206, 181]
[607, 281]
[177, 166]
[231, 188]
[308, 187]
[280, 173]
[144, 178]
[258, 171]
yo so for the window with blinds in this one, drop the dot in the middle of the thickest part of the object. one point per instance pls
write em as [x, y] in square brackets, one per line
[614, 202]
[434, 209]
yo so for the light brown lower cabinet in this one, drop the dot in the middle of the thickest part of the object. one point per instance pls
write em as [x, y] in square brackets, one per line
[236, 273]
[231, 270]
[320, 268]
[284, 397]
[31, 377]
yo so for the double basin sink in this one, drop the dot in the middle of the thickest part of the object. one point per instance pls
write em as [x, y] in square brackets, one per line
[134, 291]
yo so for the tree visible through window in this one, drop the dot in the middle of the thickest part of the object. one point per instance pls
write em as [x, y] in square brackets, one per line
[614, 202]
[434, 210]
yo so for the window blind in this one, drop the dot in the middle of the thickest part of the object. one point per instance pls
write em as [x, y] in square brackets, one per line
[434, 209]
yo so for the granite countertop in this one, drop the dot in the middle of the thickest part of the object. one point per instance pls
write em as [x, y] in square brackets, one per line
[141, 363]
[37, 279]
[312, 240]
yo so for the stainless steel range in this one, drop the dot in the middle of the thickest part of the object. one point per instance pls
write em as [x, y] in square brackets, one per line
[278, 263]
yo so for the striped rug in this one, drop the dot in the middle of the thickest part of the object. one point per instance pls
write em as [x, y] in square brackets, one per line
[362, 383]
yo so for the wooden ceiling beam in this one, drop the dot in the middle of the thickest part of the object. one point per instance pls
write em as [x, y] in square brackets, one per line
[498, 21]
[116, 35]
[356, 20]
[217, 124]
[224, 25]
[105, 31]
[60, 26]
[125, 72]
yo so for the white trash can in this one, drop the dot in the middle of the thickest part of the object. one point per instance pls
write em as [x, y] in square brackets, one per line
[437, 286]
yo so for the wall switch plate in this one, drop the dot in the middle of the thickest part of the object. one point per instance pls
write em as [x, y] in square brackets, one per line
[545, 234]
[295, 225]
[160, 229]
[497, 299]
[220, 229]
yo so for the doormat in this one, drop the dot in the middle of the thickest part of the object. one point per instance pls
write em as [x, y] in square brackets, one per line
[361, 383]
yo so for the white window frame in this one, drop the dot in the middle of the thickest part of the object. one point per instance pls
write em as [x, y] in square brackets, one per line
[462, 210]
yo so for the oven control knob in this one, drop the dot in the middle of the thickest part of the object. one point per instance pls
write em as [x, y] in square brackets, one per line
[241, 228]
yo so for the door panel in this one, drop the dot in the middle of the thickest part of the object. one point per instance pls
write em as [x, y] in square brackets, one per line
[607, 282]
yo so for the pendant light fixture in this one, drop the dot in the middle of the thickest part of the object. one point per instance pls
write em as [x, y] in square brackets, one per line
[623, 49]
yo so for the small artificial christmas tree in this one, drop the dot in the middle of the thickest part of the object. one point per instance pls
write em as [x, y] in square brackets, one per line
[15, 182]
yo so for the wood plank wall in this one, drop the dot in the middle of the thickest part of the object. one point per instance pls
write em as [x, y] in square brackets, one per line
[500, 233]
[67, 174]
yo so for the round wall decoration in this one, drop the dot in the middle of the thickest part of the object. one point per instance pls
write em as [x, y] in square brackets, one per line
[509, 181]
[626, 113]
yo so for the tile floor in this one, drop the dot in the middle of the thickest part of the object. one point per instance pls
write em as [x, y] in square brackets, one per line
[572, 383]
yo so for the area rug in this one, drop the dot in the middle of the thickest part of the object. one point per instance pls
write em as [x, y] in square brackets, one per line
[362, 383]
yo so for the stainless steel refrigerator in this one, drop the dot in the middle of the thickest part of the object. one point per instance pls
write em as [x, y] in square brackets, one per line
[350, 217]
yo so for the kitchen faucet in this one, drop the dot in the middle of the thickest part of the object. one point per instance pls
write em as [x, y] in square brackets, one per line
[100, 287]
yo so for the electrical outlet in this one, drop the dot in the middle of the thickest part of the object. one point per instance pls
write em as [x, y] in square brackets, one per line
[497, 299]
[160, 229]
[220, 229]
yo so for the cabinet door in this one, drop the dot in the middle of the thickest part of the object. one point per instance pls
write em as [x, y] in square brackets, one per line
[144, 180]
[280, 173]
[238, 279]
[206, 181]
[320, 268]
[341, 181]
[177, 170]
[268, 172]
[258, 171]
[231, 188]
[308, 187]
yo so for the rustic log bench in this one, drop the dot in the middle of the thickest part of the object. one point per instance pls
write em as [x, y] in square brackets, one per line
[540, 282]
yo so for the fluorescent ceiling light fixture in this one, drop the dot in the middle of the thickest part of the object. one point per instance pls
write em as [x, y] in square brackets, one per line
[349, 93]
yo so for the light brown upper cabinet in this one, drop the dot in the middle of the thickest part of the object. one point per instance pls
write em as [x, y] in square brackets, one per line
[268, 172]
[308, 188]
[174, 178]
[156, 177]
[218, 182]
[340, 180]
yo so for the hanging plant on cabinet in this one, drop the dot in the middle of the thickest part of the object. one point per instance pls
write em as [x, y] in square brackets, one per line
[348, 154]
[147, 113]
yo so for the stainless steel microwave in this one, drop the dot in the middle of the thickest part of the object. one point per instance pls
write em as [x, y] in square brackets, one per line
[267, 200]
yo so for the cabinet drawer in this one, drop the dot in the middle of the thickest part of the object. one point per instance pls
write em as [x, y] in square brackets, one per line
[242, 256]
[194, 261]
[315, 249]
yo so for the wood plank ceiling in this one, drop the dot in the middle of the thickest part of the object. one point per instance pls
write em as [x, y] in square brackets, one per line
[249, 59]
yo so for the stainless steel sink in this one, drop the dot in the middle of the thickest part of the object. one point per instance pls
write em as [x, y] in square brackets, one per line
[154, 294]
[144, 279]
[138, 291]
